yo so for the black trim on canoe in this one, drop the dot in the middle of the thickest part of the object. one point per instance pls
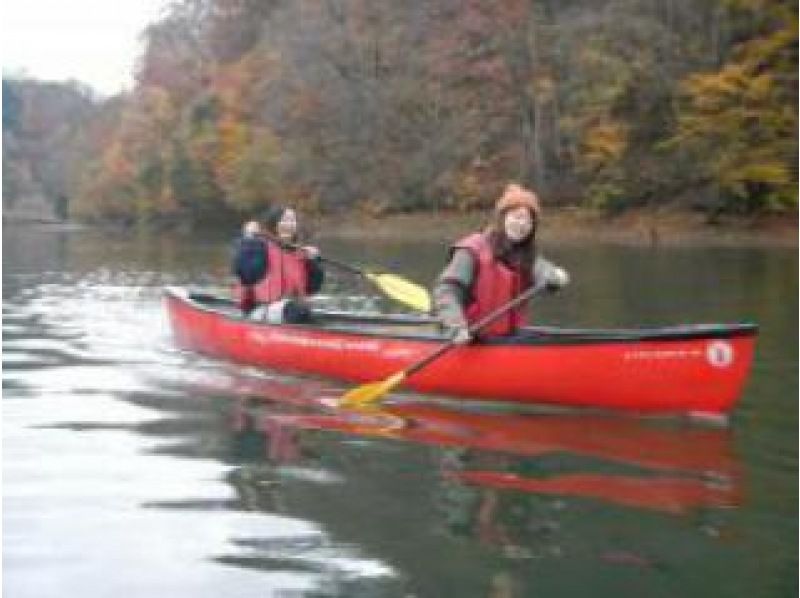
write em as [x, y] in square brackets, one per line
[348, 323]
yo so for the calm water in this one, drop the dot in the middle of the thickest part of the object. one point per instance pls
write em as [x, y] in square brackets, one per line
[129, 466]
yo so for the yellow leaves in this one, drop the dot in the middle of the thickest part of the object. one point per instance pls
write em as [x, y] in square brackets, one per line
[769, 173]
[156, 103]
[148, 119]
[130, 180]
[741, 121]
[232, 141]
[768, 185]
[241, 154]
[604, 143]
[467, 191]
[709, 92]
[253, 173]
[543, 86]
[772, 49]
[475, 185]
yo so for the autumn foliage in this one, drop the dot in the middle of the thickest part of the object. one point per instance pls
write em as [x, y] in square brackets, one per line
[398, 106]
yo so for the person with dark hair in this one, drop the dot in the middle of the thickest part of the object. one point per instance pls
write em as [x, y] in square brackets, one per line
[273, 270]
[488, 269]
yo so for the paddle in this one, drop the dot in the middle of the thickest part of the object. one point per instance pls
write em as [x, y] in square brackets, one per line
[398, 288]
[369, 393]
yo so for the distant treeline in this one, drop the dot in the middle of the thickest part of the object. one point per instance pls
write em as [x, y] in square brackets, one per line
[388, 106]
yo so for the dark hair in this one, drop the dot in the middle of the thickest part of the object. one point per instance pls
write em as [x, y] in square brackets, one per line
[272, 217]
[519, 256]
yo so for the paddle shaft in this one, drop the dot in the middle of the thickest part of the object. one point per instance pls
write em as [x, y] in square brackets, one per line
[327, 260]
[476, 327]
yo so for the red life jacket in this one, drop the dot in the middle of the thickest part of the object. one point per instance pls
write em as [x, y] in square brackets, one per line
[287, 277]
[495, 284]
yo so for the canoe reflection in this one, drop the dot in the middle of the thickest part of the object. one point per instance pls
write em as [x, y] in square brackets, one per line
[668, 467]
[668, 494]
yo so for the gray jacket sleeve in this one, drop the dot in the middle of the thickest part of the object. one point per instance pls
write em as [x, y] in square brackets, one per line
[454, 289]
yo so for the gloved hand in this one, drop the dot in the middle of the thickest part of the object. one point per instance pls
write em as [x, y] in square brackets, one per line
[556, 279]
[458, 330]
[311, 252]
[461, 335]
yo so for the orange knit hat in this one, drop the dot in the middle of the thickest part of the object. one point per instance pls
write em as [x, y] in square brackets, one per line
[516, 196]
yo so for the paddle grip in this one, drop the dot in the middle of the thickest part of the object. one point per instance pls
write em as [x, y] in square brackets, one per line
[477, 327]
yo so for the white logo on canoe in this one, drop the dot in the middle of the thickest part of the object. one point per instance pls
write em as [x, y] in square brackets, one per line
[662, 354]
[333, 344]
[719, 354]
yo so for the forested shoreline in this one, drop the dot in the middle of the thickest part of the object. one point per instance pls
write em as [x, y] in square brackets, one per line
[344, 106]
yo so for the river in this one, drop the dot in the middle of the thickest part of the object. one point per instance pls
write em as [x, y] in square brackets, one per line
[130, 467]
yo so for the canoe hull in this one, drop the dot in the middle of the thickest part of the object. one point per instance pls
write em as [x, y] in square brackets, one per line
[681, 374]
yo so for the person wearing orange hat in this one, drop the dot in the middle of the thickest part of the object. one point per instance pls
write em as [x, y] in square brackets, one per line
[487, 269]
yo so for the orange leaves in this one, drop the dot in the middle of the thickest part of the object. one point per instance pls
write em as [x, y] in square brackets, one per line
[116, 163]
[232, 141]
[604, 143]
[252, 176]
[236, 85]
[387, 104]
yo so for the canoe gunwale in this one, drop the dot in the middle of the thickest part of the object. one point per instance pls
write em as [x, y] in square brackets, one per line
[528, 336]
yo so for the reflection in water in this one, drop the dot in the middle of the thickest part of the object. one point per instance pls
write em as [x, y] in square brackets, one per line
[506, 481]
[628, 462]
[671, 495]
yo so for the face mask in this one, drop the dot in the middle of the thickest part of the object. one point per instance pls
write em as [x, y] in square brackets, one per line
[518, 225]
[287, 226]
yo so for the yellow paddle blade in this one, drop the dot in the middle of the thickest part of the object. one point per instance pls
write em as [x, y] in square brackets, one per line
[365, 394]
[402, 290]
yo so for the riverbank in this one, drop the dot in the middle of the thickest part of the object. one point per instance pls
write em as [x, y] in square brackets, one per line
[579, 226]
[560, 226]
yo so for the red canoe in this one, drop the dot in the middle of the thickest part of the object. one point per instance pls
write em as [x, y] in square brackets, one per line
[698, 369]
